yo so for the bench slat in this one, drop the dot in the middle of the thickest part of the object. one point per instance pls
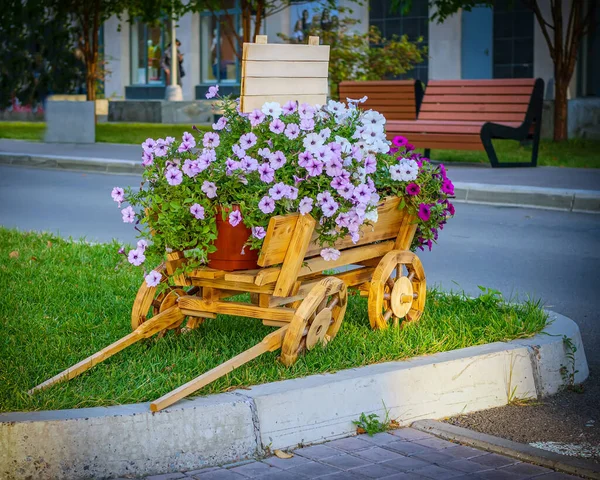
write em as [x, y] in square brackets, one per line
[488, 90]
[473, 116]
[481, 107]
[416, 138]
[474, 83]
[468, 99]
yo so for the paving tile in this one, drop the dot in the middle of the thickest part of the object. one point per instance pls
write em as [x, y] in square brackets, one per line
[377, 454]
[191, 473]
[313, 470]
[342, 476]
[380, 438]
[557, 476]
[405, 464]
[435, 456]
[436, 472]
[350, 444]
[220, 474]
[408, 448]
[345, 462]
[462, 451]
[495, 461]
[317, 452]
[406, 476]
[278, 475]
[501, 475]
[436, 443]
[526, 469]
[466, 466]
[254, 469]
[410, 434]
[375, 470]
[166, 476]
[285, 463]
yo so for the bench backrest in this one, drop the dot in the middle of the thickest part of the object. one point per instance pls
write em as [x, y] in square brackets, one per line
[498, 100]
[395, 99]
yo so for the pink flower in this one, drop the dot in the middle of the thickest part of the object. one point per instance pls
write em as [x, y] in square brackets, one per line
[174, 176]
[413, 189]
[221, 123]
[267, 174]
[256, 117]
[248, 140]
[450, 209]
[209, 188]
[277, 160]
[289, 107]
[212, 91]
[136, 257]
[424, 212]
[149, 145]
[147, 159]
[128, 215]
[258, 232]
[266, 205]
[329, 254]
[153, 278]
[235, 218]
[118, 195]
[399, 141]
[277, 126]
[211, 140]
[142, 245]
[447, 187]
[197, 211]
[292, 131]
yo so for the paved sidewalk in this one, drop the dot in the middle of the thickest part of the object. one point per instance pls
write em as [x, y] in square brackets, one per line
[569, 189]
[406, 454]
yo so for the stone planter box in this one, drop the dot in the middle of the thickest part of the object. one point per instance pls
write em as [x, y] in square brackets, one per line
[70, 122]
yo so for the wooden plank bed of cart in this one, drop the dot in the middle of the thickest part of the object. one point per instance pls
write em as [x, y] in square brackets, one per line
[290, 291]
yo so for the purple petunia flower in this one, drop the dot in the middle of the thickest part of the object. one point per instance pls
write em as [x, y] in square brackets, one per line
[278, 191]
[118, 195]
[334, 168]
[400, 141]
[304, 158]
[147, 159]
[197, 211]
[128, 215]
[189, 138]
[314, 167]
[370, 164]
[190, 168]
[249, 164]
[238, 151]
[136, 257]
[266, 205]
[424, 212]
[306, 111]
[149, 145]
[142, 244]
[211, 140]
[161, 148]
[221, 124]
[212, 91]
[277, 160]
[235, 218]
[153, 278]
[174, 176]
[248, 140]
[231, 166]
[329, 207]
[258, 232]
[289, 107]
[324, 197]
[277, 126]
[169, 140]
[413, 189]
[209, 188]
[184, 147]
[267, 174]
[329, 254]
[292, 131]
[306, 205]
[307, 124]
[256, 117]
[362, 194]
[264, 152]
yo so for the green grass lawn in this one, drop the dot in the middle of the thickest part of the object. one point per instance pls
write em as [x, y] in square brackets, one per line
[105, 132]
[63, 301]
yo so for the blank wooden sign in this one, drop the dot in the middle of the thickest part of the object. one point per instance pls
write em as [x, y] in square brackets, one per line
[278, 72]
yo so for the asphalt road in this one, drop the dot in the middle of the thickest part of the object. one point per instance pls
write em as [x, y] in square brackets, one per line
[552, 256]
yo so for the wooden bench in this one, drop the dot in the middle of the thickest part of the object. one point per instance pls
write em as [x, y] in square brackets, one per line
[395, 99]
[468, 114]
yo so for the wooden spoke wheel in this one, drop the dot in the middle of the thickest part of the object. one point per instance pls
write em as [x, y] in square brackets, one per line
[149, 303]
[317, 319]
[397, 290]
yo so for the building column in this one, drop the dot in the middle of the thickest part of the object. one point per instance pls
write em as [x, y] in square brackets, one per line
[117, 56]
[188, 33]
[445, 48]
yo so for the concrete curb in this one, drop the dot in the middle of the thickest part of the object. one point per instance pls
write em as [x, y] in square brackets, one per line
[130, 440]
[570, 200]
[509, 448]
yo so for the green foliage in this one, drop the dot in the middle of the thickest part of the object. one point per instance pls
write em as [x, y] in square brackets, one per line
[568, 371]
[367, 56]
[371, 424]
[441, 9]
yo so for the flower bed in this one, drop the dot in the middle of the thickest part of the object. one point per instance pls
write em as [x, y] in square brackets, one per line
[332, 162]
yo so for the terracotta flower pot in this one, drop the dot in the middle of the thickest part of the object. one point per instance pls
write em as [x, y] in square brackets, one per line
[230, 241]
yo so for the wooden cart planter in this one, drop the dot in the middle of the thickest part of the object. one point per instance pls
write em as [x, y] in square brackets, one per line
[290, 291]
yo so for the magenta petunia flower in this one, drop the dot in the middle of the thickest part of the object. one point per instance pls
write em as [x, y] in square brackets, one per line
[442, 170]
[197, 211]
[248, 140]
[256, 117]
[136, 257]
[277, 126]
[266, 205]
[209, 188]
[400, 141]
[212, 91]
[128, 215]
[289, 107]
[330, 254]
[450, 209]
[424, 212]
[118, 195]
[267, 174]
[413, 189]
[153, 278]
[211, 140]
[142, 244]
[292, 131]
[447, 187]
[235, 218]
[258, 232]
[277, 160]
[409, 148]
[174, 176]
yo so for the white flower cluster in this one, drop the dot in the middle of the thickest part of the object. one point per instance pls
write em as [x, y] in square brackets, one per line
[405, 171]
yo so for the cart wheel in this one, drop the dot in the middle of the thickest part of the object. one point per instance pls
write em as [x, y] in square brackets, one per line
[398, 289]
[317, 319]
[148, 303]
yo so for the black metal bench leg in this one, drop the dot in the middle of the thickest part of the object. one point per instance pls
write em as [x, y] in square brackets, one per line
[427, 153]
[536, 143]
[486, 139]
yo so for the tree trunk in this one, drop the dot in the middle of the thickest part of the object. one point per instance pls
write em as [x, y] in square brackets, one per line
[560, 109]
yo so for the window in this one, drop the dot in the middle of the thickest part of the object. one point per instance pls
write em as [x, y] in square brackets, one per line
[148, 43]
[513, 40]
[415, 24]
[218, 44]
